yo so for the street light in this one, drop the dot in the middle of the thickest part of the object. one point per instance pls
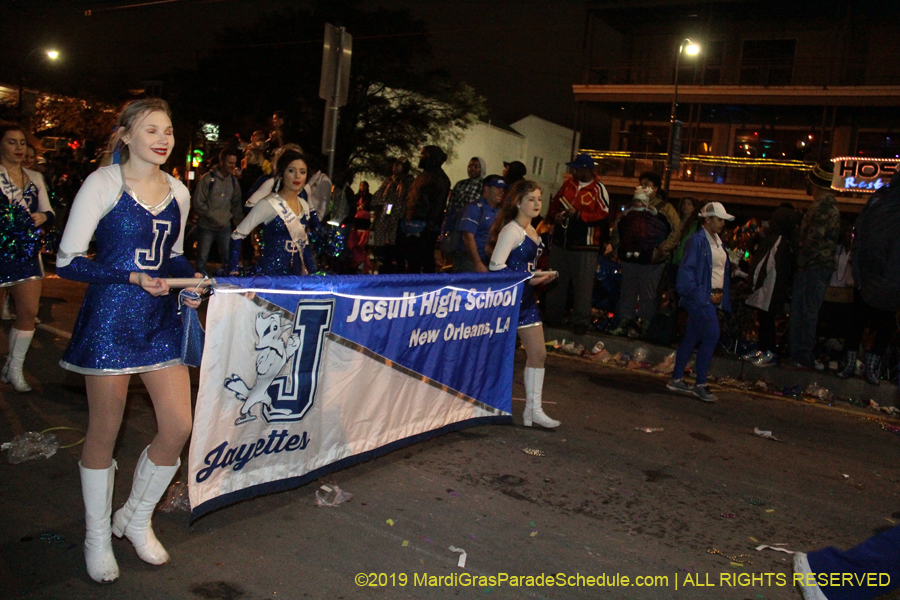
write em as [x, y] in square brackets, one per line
[691, 48]
[51, 54]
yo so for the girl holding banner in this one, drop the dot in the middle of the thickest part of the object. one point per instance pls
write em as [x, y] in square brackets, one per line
[286, 218]
[517, 247]
[129, 324]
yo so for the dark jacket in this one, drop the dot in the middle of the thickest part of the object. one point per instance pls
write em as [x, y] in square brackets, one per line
[876, 248]
[694, 282]
[640, 233]
[429, 191]
[783, 225]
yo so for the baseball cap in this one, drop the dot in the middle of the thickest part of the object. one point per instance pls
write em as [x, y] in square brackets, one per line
[715, 209]
[495, 181]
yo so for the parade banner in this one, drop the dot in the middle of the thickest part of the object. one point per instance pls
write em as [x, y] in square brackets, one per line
[302, 376]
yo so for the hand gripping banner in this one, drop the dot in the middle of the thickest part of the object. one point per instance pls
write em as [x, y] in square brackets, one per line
[302, 376]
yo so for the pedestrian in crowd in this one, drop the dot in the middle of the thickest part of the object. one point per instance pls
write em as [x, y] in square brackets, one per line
[475, 227]
[703, 286]
[817, 244]
[358, 240]
[773, 269]
[515, 246]
[318, 188]
[286, 218]
[875, 563]
[129, 324]
[30, 158]
[464, 192]
[640, 232]
[217, 202]
[276, 134]
[513, 172]
[579, 217]
[388, 208]
[689, 224]
[253, 166]
[22, 190]
[876, 270]
[424, 210]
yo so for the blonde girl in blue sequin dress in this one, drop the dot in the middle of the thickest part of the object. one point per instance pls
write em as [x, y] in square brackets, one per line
[128, 325]
[515, 246]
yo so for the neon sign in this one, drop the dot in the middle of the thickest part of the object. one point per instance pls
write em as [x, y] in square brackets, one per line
[853, 174]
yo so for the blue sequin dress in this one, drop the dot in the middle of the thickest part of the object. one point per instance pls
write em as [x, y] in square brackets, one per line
[121, 328]
[30, 200]
[523, 258]
[281, 255]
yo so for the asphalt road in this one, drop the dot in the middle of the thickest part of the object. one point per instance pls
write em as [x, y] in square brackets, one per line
[605, 500]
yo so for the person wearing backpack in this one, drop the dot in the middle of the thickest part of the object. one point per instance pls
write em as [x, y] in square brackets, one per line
[217, 202]
[475, 227]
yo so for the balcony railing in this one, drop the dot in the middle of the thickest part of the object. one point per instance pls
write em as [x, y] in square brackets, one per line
[728, 170]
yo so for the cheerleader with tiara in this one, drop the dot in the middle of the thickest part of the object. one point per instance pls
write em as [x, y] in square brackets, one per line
[22, 276]
[129, 324]
[515, 246]
[286, 218]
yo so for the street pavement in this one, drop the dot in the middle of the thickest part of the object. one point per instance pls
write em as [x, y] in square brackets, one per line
[688, 504]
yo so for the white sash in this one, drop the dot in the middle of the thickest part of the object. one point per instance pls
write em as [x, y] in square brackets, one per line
[295, 228]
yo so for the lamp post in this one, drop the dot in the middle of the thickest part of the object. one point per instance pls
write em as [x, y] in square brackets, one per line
[51, 54]
[691, 49]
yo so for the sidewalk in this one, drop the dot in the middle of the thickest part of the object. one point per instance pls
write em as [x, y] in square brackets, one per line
[855, 388]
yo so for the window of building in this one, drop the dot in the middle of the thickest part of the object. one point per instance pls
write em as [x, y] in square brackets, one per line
[767, 62]
[537, 166]
[713, 57]
[775, 144]
[878, 145]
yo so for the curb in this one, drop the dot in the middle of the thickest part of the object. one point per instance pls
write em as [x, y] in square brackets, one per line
[855, 388]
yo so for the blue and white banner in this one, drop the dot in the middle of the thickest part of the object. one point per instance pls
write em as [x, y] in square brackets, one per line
[302, 376]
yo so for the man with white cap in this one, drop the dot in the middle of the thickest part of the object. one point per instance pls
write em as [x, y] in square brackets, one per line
[703, 285]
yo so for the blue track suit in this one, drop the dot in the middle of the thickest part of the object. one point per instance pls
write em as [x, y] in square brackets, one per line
[879, 554]
[694, 286]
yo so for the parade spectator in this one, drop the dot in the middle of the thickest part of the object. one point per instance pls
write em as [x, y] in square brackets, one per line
[276, 134]
[876, 271]
[30, 157]
[464, 192]
[640, 232]
[129, 324]
[217, 202]
[579, 216]
[772, 267]
[358, 239]
[515, 246]
[25, 190]
[688, 225]
[703, 286]
[817, 244]
[424, 209]
[652, 181]
[514, 171]
[475, 227]
[388, 208]
[318, 188]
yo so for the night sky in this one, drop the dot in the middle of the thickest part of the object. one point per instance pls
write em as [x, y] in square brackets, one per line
[522, 55]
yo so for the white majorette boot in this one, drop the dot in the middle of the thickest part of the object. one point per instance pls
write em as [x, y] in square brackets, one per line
[133, 519]
[534, 386]
[19, 341]
[97, 491]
